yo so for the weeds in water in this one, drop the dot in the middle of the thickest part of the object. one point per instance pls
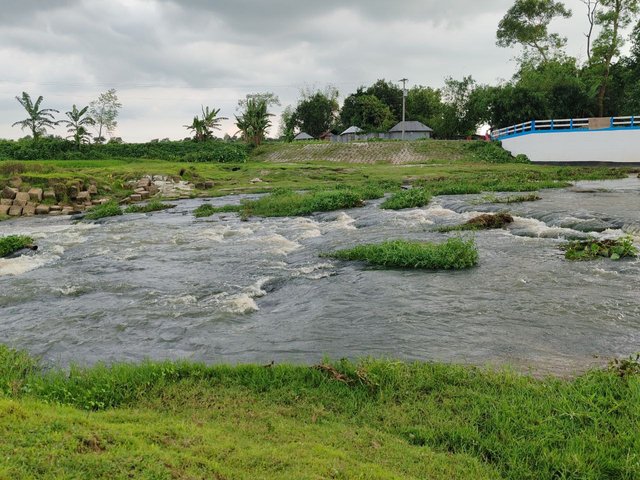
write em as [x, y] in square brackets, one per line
[206, 210]
[626, 367]
[592, 248]
[453, 254]
[412, 198]
[109, 209]
[152, 206]
[492, 198]
[287, 203]
[486, 221]
[13, 243]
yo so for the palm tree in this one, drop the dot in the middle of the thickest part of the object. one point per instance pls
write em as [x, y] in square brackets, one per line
[39, 119]
[254, 122]
[203, 127]
[77, 125]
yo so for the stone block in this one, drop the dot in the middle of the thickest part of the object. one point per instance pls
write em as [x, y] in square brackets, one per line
[135, 198]
[15, 210]
[93, 189]
[4, 209]
[15, 182]
[49, 195]
[55, 213]
[9, 192]
[21, 199]
[83, 197]
[144, 182]
[36, 194]
[67, 210]
[145, 195]
[209, 184]
[153, 189]
[55, 208]
[28, 211]
[6, 201]
[42, 209]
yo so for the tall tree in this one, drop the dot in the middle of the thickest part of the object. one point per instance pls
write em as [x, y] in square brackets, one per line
[77, 125]
[613, 18]
[390, 94]
[423, 104]
[39, 119]
[592, 10]
[527, 23]
[104, 112]
[203, 127]
[316, 112]
[254, 121]
[269, 98]
[288, 123]
[367, 112]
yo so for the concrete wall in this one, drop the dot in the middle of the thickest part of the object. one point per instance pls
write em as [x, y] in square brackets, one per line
[363, 137]
[616, 146]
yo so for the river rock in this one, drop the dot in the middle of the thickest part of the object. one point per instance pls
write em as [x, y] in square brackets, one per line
[8, 192]
[36, 194]
[144, 182]
[135, 198]
[49, 195]
[42, 209]
[15, 210]
[21, 199]
[4, 209]
[153, 189]
[28, 210]
[140, 191]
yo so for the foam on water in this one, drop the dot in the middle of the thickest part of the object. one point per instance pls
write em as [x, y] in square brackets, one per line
[25, 263]
[277, 244]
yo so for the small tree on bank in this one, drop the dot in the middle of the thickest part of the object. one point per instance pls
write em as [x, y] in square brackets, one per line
[39, 119]
[77, 124]
[104, 112]
[203, 127]
[254, 121]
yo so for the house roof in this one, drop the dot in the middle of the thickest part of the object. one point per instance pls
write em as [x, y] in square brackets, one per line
[411, 127]
[303, 136]
[352, 130]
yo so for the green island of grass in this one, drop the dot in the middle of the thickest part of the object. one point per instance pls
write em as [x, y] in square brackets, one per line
[590, 249]
[454, 254]
[412, 198]
[373, 419]
[152, 206]
[12, 243]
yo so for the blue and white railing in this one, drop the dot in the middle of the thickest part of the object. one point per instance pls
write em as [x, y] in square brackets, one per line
[568, 124]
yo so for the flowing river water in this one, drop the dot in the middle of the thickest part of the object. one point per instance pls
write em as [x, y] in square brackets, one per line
[168, 286]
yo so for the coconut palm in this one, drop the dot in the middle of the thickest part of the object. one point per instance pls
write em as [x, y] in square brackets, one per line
[77, 125]
[202, 128]
[254, 122]
[39, 119]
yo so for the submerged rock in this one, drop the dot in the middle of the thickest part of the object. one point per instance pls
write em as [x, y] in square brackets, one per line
[489, 221]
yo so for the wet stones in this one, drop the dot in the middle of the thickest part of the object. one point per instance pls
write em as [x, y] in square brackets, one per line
[150, 186]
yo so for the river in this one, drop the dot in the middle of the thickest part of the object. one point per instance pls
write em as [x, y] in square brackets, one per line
[169, 286]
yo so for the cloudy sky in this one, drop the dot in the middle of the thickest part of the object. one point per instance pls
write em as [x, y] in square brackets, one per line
[166, 58]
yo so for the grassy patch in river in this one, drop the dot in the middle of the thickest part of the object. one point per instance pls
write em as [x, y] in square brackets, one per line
[378, 419]
[454, 254]
[486, 221]
[412, 198]
[152, 206]
[12, 243]
[592, 248]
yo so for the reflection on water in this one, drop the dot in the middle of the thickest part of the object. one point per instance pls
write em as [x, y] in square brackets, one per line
[167, 285]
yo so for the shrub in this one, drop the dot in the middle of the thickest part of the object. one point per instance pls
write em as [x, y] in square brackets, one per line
[486, 221]
[492, 152]
[453, 254]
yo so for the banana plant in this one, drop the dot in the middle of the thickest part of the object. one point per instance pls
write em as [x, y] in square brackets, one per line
[77, 125]
[39, 119]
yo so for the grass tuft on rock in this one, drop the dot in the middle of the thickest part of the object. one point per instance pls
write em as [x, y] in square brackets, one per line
[109, 209]
[206, 210]
[454, 254]
[486, 221]
[413, 198]
[591, 249]
[492, 198]
[12, 243]
[152, 206]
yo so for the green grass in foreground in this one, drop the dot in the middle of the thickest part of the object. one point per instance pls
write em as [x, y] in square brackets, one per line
[455, 253]
[13, 243]
[375, 419]
[592, 248]
[412, 198]
[109, 209]
[152, 206]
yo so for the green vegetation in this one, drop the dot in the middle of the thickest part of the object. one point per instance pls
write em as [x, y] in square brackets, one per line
[207, 210]
[109, 209]
[491, 198]
[592, 248]
[454, 254]
[486, 221]
[371, 419]
[413, 198]
[13, 243]
[492, 152]
[152, 206]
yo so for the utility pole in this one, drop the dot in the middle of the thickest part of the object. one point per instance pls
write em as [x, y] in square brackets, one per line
[404, 102]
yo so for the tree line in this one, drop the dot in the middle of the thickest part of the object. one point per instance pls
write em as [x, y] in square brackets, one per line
[548, 84]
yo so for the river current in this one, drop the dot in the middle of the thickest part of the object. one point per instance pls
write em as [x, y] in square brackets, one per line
[169, 286]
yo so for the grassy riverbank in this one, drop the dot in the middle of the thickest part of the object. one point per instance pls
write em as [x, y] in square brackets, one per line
[374, 419]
